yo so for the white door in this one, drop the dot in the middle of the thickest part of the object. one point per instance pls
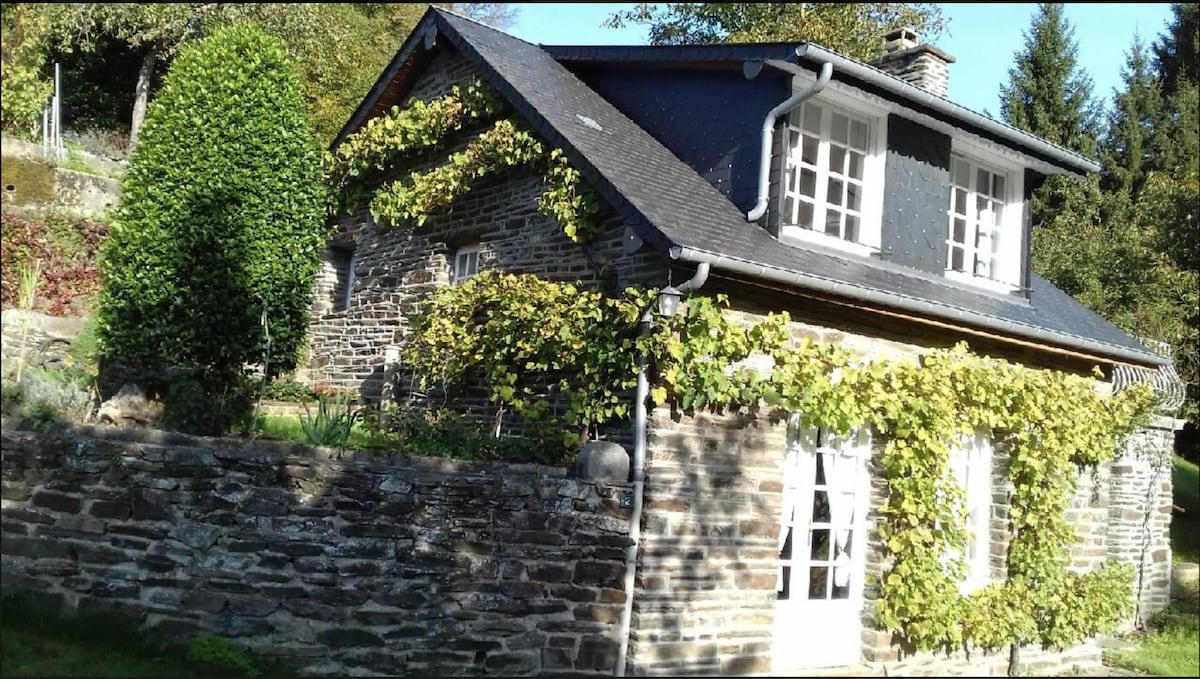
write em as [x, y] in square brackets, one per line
[822, 544]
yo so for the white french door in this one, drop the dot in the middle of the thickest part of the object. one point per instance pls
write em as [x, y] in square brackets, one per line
[822, 541]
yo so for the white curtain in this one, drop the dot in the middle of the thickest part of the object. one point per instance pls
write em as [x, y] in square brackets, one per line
[798, 465]
[842, 459]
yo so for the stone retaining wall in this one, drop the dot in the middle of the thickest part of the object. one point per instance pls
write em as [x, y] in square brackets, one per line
[349, 564]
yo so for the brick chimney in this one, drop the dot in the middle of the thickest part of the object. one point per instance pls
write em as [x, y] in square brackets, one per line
[905, 57]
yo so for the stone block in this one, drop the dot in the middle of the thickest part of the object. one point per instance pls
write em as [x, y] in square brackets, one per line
[603, 461]
[69, 504]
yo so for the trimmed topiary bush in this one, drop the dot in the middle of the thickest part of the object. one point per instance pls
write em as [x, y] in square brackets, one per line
[221, 218]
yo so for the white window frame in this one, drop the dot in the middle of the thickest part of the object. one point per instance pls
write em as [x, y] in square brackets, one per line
[462, 256]
[971, 468]
[850, 102]
[1011, 229]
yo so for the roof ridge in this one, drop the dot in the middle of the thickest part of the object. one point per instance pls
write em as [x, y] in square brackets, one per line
[477, 22]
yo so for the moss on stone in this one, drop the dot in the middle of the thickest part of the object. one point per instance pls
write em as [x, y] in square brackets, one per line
[26, 182]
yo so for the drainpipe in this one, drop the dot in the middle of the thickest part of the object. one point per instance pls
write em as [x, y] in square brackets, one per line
[645, 323]
[768, 131]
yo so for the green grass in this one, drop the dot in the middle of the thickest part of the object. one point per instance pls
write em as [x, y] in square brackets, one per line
[1185, 526]
[38, 640]
[290, 429]
[1171, 648]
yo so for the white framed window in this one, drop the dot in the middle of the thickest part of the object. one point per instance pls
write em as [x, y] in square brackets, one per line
[985, 222]
[971, 466]
[832, 188]
[466, 263]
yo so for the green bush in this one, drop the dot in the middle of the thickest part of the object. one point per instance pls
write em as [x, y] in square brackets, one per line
[332, 423]
[220, 224]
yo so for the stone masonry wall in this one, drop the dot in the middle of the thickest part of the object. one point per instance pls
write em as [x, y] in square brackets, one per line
[394, 270]
[347, 564]
[1139, 516]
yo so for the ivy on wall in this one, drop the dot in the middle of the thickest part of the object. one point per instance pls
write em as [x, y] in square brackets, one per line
[364, 157]
[520, 333]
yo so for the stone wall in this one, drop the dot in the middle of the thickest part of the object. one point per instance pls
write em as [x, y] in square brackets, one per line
[30, 181]
[42, 339]
[346, 563]
[1139, 516]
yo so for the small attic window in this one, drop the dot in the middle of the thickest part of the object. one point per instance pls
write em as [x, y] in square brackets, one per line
[466, 263]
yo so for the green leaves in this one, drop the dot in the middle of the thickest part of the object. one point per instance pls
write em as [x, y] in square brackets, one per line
[220, 216]
[553, 350]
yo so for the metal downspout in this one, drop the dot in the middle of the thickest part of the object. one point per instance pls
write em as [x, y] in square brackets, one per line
[645, 323]
[768, 131]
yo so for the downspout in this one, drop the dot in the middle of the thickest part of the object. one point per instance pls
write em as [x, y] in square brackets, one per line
[768, 130]
[645, 323]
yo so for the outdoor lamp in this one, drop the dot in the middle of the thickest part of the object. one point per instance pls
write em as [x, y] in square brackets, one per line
[668, 301]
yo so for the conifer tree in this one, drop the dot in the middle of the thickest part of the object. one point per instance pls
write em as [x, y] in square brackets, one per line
[1047, 93]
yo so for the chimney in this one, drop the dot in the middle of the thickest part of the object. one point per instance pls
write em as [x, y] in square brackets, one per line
[905, 57]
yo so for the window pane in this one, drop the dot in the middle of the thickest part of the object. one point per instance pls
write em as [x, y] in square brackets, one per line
[793, 139]
[816, 582]
[998, 187]
[808, 183]
[820, 508]
[789, 210]
[812, 118]
[833, 222]
[786, 592]
[983, 179]
[820, 469]
[789, 181]
[786, 552]
[960, 230]
[851, 228]
[858, 134]
[960, 202]
[956, 259]
[997, 214]
[809, 153]
[856, 165]
[841, 129]
[837, 159]
[962, 173]
[981, 266]
[853, 196]
[841, 592]
[833, 193]
[806, 215]
[820, 544]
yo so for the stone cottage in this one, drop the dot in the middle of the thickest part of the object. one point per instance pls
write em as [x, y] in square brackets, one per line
[880, 215]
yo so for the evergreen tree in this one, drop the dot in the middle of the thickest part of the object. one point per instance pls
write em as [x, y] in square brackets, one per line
[1177, 52]
[1126, 150]
[1047, 94]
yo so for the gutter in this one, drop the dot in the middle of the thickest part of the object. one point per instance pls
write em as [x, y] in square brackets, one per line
[919, 306]
[752, 69]
[645, 324]
[895, 86]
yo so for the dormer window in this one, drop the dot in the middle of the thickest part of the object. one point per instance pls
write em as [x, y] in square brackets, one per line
[832, 183]
[466, 263]
[984, 236]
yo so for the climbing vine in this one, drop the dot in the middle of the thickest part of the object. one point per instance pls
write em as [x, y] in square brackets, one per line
[363, 158]
[521, 334]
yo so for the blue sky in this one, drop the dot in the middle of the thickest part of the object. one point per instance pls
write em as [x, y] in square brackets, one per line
[983, 37]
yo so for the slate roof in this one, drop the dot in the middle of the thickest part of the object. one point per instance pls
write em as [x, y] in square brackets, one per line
[676, 211]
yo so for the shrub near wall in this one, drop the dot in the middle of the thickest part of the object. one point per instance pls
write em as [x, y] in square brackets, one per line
[220, 224]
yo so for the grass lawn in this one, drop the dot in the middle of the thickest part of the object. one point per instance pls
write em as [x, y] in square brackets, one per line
[1171, 648]
[37, 640]
[1185, 526]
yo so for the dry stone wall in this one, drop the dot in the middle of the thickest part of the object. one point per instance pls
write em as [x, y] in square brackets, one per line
[348, 564]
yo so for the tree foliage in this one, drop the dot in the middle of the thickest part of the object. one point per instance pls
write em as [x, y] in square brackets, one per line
[1047, 93]
[854, 29]
[1127, 244]
[220, 222]
[22, 90]
[339, 49]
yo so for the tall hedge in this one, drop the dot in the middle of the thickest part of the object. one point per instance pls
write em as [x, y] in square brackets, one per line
[220, 216]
